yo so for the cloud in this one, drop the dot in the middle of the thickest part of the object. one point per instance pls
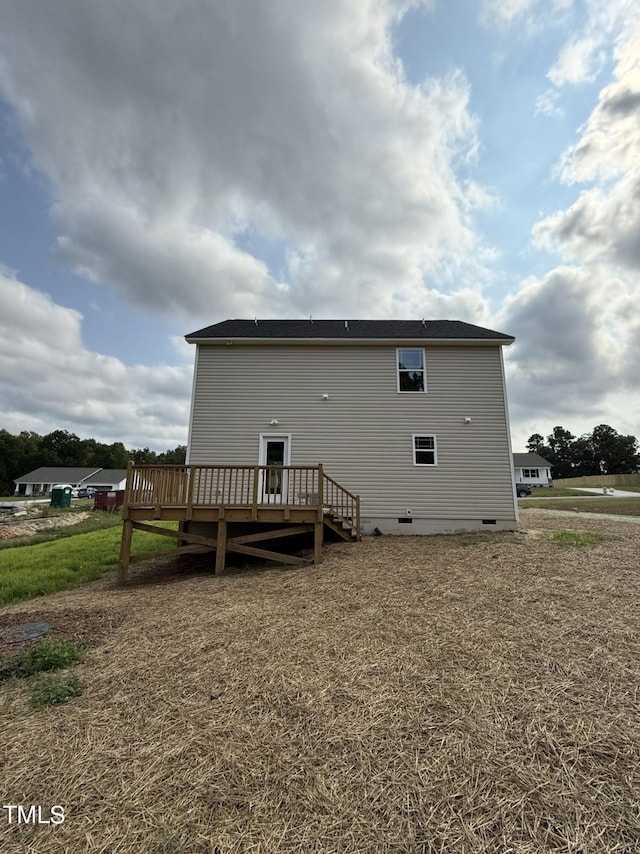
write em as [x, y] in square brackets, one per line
[506, 12]
[578, 327]
[50, 380]
[595, 27]
[169, 129]
[547, 104]
[580, 61]
[585, 53]
[532, 14]
[577, 336]
[610, 140]
[604, 222]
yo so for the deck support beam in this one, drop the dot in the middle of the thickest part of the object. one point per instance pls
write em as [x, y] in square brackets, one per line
[221, 546]
[318, 540]
[125, 551]
[279, 557]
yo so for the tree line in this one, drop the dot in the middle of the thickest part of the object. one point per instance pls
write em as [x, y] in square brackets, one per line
[28, 451]
[603, 451]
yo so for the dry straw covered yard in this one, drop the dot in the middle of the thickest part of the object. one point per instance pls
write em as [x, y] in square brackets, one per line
[447, 694]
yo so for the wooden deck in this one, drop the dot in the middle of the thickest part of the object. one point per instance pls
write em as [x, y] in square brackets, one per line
[260, 503]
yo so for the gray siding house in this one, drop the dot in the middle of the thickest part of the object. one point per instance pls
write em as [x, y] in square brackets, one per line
[410, 415]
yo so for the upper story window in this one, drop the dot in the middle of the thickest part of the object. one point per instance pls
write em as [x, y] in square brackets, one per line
[412, 374]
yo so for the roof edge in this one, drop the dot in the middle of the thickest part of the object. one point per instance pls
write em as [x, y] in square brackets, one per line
[352, 342]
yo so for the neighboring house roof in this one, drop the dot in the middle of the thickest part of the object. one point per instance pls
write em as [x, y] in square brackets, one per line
[345, 330]
[58, 474]
[107, 476]
[528, 461]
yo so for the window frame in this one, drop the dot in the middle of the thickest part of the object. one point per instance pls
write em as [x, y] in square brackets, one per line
[399, 370]
[531, 474]
[415, 450]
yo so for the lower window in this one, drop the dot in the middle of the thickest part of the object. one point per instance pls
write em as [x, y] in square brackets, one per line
[424, 451]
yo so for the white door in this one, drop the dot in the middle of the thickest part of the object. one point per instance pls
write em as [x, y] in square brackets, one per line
[275, 452]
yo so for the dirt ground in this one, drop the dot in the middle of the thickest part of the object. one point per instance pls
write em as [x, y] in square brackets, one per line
[11, 528]
[468, 693]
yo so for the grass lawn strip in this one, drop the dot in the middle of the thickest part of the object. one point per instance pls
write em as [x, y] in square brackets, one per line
[34, 570]
[465, 694]
[609, 505]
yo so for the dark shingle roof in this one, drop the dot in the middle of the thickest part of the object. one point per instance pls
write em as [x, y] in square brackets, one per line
[107, 476]
[529, 461]
[347, 330]
[58, 474]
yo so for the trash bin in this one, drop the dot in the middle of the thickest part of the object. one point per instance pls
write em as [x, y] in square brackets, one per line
[61, 496]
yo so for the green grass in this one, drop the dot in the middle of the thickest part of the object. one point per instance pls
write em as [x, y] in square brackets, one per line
[40, 660]
[34, 570]
[10, 499]
[593, 504]
[48, 654]
[55, 690]
[576, 492]
[555, 492]
[576, 538]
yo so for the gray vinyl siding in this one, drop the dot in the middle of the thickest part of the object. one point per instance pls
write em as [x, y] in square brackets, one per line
[363, 433]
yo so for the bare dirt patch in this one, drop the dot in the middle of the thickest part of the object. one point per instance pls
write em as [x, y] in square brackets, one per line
[12, 529]
[472, 693]
[76, 624]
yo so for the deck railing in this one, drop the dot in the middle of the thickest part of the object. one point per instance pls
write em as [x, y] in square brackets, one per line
[192, 486]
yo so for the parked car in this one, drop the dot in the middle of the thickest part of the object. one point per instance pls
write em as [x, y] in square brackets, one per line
[84, 492]
[523, 490]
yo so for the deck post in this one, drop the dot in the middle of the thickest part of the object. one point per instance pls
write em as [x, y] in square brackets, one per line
[221, 546]
[128, 487]
[318, 538]
[254, 497]
[125, 551]
[318, 534]
[320, 517]
[191, 475]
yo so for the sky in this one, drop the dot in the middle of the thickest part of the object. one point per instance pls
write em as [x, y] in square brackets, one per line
[167, 164]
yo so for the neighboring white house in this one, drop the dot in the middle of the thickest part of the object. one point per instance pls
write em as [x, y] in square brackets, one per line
[40, 481]
[410, 415]
[107, 480]
[532, 469]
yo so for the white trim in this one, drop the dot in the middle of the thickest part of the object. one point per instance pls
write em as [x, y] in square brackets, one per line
[193, 404]
[265, 497]
[262, 449]
[433, 436]
[510, 447]
[424, 371]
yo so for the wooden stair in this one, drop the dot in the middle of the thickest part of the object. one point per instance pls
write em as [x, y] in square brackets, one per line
[342, 526]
